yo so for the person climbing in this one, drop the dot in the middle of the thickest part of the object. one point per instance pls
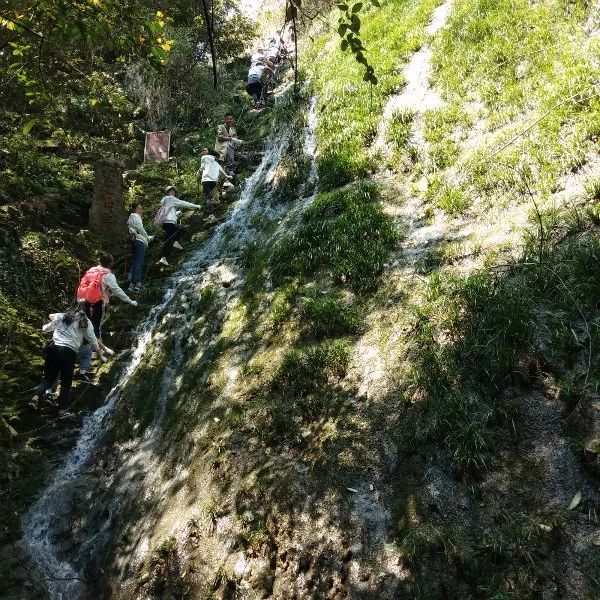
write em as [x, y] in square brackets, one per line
[96, 286]
[167, 219]
[69, 329]
[225, 146]
[139, 244]
[276, 49]
[209, 174]
[258, 65]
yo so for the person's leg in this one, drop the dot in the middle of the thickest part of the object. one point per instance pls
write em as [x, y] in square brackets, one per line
[209, 190]
[85, 358]
[137, 262]
[51, 370]
[67, 364]
[230, 161]
[178, 234]
[170, 230]
[96, 314]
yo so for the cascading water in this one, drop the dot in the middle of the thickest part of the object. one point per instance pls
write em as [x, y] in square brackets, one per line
[140, 464]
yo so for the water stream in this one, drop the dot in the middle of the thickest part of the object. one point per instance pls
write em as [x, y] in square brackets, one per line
[139, 465]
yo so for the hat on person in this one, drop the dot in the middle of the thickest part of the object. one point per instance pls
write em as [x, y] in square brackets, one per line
[170, 187]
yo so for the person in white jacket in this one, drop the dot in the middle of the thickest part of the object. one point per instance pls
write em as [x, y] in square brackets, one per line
[209, 173]
[173, 232]
[68, 329]
[139, 243]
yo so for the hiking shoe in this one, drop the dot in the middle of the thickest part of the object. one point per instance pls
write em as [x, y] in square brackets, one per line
[49, 399]
[177, 245]
[138, 288]
[163, 261]
[65, 414]
[131, 288]
[228, 184]
[33, 403]
[83, 377]
[109, 351]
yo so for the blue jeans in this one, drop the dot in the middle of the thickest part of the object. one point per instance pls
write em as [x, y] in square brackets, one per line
[85, 357]
[138, 252]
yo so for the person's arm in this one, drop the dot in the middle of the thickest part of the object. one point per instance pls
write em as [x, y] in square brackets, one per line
[52, 325]
[139, 226]
[183, 204]
[222, 134]
[221, 170]
[90, 336]
[111, 282]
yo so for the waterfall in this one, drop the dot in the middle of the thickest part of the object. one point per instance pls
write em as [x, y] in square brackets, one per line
[63, 580]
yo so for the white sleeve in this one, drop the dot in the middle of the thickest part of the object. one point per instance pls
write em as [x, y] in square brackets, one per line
[111, 282]
[90, 336]
[183, 204]
[53, 324]
[139, 225]
[222, 171]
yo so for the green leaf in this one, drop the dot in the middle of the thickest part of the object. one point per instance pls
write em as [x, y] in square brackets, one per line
[376, 3]
[342, 28]
[344, 45]
[356, 8]
[342, 6]
[28, 126]
[355, 24]
[575, 502]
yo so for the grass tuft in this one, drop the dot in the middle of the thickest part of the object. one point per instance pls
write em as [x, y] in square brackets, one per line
[345, 234]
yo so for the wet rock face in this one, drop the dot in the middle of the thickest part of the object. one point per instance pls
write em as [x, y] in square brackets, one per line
[107, 215]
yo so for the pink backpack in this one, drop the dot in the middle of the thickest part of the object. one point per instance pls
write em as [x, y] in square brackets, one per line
[90, 286]
[160, 217]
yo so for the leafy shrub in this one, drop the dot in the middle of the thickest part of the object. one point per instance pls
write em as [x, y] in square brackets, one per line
[344, 233]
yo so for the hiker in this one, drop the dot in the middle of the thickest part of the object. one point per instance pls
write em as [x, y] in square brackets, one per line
[209, 174]
[167, 219]
[69, 329]
[258, 65]
[276, 49]
[139, 243]
[96, 286]
[225, 146]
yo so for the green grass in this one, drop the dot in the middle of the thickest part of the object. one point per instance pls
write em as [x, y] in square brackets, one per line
[349, 110]
[330, 316]
[305, 391]
[524, 60]
[472, 332]
[344, 234]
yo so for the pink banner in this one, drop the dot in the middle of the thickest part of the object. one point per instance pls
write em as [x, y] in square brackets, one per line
[158, 144]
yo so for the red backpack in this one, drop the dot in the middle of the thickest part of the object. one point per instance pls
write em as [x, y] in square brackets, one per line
[90, 286]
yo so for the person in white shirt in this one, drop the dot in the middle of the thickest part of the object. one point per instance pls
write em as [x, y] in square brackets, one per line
[68, 329]
[258, 65]
[139, 243]
[209, 173]
[173, 232]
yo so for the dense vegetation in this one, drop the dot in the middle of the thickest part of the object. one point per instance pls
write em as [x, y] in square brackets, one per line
[397, 395]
